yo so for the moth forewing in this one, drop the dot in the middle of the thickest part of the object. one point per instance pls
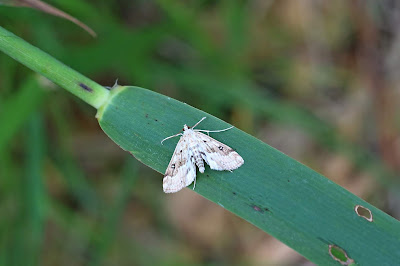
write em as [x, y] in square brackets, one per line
[181, 171]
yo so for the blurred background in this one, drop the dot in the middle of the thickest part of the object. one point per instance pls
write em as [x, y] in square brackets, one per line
[318, 80]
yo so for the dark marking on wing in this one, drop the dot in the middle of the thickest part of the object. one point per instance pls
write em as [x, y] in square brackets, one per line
[222, 148]
[85, 87]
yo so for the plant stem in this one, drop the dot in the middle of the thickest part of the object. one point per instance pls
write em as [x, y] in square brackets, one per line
[39, 61]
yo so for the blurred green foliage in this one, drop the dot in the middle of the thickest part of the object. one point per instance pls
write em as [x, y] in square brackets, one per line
[325, 72]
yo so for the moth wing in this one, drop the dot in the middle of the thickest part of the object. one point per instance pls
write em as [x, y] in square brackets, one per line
[181, 170]
[218, 155]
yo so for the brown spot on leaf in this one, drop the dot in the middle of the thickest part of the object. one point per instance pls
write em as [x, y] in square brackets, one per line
[363, 212]
[85, 87]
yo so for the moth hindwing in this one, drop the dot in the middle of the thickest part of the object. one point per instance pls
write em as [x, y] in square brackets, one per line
[193, 149]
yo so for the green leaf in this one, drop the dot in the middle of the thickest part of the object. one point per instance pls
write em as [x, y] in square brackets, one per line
[34, 198]
[293, 203]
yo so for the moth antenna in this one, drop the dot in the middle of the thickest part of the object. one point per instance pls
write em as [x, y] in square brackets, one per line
[173, 136]
[199, 122]
[213, 131]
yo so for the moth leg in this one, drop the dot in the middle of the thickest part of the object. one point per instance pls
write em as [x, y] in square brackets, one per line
[194, 184]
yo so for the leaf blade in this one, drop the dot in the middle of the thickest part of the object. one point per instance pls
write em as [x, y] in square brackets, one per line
[272, 191]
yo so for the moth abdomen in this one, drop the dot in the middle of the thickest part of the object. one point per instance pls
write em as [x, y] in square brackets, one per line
[199, 161]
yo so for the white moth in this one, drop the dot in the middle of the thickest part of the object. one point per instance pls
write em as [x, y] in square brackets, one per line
[192, 148]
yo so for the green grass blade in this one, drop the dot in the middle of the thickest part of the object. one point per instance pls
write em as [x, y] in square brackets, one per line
[300, 207]
[25, 232]
[37, 60]
[33, 192]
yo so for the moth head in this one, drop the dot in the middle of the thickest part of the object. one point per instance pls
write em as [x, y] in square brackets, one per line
[185, 127]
